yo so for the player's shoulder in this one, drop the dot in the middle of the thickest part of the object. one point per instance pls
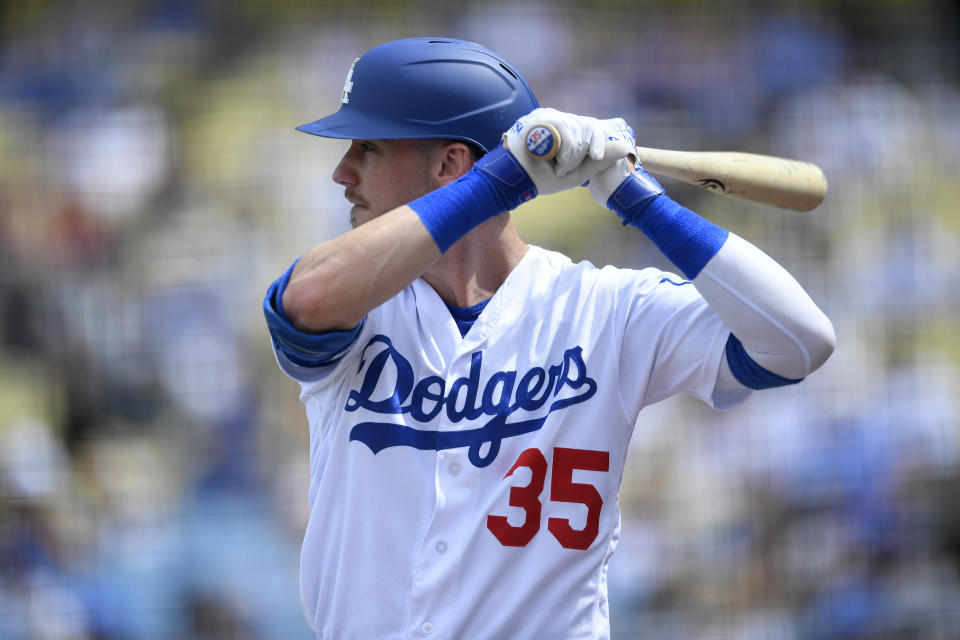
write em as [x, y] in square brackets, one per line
[585, 272]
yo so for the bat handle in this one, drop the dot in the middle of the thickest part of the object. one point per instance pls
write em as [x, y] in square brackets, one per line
[542, 141]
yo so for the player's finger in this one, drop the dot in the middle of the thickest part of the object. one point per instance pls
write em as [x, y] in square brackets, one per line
[611, 135]
[571, 155]
[598, 139]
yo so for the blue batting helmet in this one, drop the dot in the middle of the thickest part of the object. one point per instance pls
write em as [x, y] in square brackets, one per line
[429, 88]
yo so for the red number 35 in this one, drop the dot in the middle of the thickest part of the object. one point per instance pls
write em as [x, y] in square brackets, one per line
[562, 489]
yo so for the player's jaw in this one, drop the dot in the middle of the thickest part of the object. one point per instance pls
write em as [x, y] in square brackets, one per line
[368, 207]
[381, 175]
[359, 212]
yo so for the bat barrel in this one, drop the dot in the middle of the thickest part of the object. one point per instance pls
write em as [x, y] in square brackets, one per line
[791, 184]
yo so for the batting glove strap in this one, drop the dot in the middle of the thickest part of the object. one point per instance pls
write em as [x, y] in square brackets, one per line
[687, 239]
[508, 177]
[636, 191]
[496, 183]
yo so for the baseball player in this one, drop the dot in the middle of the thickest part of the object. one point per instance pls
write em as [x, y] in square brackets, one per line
[470, 397]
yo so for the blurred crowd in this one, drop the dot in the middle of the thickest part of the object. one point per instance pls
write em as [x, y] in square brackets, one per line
[153, 459]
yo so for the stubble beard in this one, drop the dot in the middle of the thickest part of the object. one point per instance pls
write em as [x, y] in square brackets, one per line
[420, 185]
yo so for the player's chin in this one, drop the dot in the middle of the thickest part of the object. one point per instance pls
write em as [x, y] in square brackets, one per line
[361, 214]
[358, 215]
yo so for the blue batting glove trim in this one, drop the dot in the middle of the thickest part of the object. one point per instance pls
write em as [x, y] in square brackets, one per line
[510, 176]
[632, 197]
[303, 349]
[496, 183]
[748, 372]
[687, 239]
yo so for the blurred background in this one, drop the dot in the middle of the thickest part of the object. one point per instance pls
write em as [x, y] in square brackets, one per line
[153, 458]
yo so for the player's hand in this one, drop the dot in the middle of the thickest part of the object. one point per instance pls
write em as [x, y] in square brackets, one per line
[605, 183]
[588, 146]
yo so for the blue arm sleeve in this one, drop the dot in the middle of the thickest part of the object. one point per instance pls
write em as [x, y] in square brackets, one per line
[683, 236]
[303, 349]
[748, 372]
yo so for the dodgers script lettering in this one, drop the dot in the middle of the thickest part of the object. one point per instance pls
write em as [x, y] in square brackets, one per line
[540, 390]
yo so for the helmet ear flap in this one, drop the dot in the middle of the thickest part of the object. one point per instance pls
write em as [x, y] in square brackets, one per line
[437, 88]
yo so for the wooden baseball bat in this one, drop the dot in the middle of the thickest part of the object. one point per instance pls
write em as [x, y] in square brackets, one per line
[790, 184]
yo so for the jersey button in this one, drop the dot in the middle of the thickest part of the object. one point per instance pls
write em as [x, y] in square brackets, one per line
[454, 468]
[427, 627]
[441, 547]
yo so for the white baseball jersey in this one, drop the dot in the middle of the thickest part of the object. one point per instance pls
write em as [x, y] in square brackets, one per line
[466, 487]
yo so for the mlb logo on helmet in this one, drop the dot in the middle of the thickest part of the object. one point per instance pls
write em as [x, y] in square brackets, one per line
[348, 84]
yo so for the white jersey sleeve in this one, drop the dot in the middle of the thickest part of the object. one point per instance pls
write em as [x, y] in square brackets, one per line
[673, 342]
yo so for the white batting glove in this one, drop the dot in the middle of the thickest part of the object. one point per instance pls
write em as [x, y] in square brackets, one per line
[588, 146]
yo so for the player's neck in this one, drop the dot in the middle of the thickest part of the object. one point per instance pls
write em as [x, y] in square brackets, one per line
[474, 268]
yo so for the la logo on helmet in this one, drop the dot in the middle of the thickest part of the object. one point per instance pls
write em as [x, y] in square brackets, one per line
[348, 84]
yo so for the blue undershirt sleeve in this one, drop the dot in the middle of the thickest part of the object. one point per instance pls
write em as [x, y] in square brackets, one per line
[303, 349]
[748, 372]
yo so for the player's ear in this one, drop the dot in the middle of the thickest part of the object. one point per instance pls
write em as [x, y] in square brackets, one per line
[457, 160]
